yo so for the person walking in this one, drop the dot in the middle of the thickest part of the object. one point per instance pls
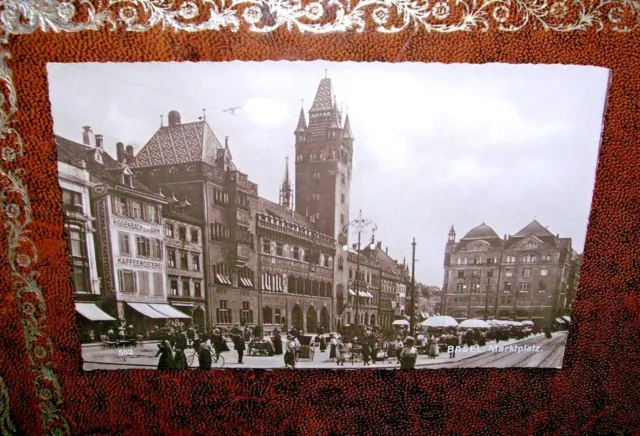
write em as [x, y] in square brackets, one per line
[166, 354]
[340, 353]
[180, 358]
[205, 357]
[332, 348]
[409, 354]
[292, 348]
[239, 345]
[366, 352]
[277, 342]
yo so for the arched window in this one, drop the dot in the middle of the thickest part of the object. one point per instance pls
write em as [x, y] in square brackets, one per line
[291, 285]
[328, 290]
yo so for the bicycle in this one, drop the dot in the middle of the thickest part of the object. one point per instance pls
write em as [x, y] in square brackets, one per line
[217, 360]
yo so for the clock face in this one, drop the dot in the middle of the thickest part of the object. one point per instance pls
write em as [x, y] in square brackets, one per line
[99, 189]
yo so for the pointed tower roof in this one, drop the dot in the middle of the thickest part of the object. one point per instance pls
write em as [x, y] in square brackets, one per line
[483, 231]
[286, 183]
[286, 192]
[533, 228]
[346, 131]
[324, 97]
[302, 122]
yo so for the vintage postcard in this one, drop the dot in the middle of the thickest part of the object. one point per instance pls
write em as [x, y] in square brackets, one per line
[324, 214]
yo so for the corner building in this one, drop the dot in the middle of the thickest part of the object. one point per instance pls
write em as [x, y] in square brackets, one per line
[525, 276]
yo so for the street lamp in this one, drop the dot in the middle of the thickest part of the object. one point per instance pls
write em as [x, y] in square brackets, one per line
[359, 224]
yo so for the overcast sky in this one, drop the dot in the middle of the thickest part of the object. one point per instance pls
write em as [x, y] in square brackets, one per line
[435, 144]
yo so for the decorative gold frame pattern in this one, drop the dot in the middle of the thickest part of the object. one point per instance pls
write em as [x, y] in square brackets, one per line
[22, 17]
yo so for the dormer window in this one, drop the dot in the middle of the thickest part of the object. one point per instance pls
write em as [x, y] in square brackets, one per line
[127, 179]
[98, 156]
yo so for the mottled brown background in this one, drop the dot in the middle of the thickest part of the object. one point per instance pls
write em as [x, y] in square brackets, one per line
[596, 392]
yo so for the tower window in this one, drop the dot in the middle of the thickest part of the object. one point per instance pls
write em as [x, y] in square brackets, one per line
[342, 198]
[344, 179]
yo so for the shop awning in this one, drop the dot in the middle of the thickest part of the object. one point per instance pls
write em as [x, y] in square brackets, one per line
[147, 311]
[169, 311]
[183, 304]
[566, 318]
[222, 279]
[351, 292]
[93, 312]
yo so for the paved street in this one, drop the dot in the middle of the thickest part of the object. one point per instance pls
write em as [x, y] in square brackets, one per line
[549, 355]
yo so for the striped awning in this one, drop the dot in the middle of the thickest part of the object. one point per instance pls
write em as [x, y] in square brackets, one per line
[93, 312]
[221, 279]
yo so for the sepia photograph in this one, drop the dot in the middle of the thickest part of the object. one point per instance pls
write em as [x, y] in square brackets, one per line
[325, 215]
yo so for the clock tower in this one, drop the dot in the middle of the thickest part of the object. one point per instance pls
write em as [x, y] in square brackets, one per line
[324, 158]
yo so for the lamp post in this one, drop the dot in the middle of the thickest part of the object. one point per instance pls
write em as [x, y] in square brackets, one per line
[359, 224]
[413, 287]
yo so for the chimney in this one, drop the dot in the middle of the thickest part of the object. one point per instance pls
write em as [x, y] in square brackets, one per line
[86, 135]
[226, 141]
[129, 155]
[174, 118]
[99, 141]
[386, 250]
[379, 244]
[120, 153]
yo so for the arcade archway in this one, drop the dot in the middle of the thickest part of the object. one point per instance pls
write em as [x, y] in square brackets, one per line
[324, 320]
[296, 318]
[312, 320]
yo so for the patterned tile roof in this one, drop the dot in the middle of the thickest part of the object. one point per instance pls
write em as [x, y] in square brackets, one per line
[324, 112]
[268, 207]
[183, 143]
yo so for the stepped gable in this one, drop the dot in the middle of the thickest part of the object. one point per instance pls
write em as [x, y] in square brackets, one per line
[109, 171]
[179, 143]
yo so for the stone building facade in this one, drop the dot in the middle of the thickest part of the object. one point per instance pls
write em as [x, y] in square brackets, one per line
[522, 276]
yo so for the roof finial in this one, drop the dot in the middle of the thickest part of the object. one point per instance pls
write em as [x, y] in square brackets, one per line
[325, 73]
[161, 120]
[204, 114]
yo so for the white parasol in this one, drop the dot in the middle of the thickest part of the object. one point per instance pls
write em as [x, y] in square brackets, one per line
[400, 322]
[474, 324]
[440, 321]
[527, 322]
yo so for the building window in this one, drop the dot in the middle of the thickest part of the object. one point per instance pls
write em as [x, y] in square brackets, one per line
[316, 175]
[508, 272]
[77, 250]
[526, 272]
[120, 206]
[143, 246]
[197, 289]
[475, 273]
[542, 286]
[530, 246]
[507, 287]
[296, 253]
[156, 249]
[168, 230]
[544, 272]
[505, 301]
[315, 196]
[186, 288]
[246, 314]
[153, 214]
[71, 198]
[459, 288]
[173, 287]
[279, 251]
[477, 260]
[528, 258]
[490, 273]
[182, 233]
[158, 285]
[546, 258]
[342, 198]
[124, 244]
[344, 178]
[127, 179]
[266, 246]
[511, 259]
[184, 260]
[127, 281]
[195, 262]
[220, 198]
[194, 235]
[524, 286]
[223, 315]
[342, 218]
[136, 210]
[340, 264]
[219, 232]
[143, 283]
[171, 257]
[491, 260]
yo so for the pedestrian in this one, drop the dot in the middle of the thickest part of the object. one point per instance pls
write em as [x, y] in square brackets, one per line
[277, 342]
[205, 351]
[409, 354]
[166, 354]
[180, 358]
[239, 345]
[323, 345]
[340, 353]
[452, 343]
[366, 352]
[332, 349]
[292, 348]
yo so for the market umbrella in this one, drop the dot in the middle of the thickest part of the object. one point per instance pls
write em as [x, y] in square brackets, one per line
[440, 321]
[400, 322]
[527, 322]
[474, 324]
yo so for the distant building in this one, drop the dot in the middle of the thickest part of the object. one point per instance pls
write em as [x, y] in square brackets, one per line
[523, 276]
[363, 289]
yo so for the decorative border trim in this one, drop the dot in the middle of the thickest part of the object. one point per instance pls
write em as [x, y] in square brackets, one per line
[7, 427]
[19, 17]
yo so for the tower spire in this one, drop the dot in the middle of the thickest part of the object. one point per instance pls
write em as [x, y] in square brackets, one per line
[286, 191]
[302, 122]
